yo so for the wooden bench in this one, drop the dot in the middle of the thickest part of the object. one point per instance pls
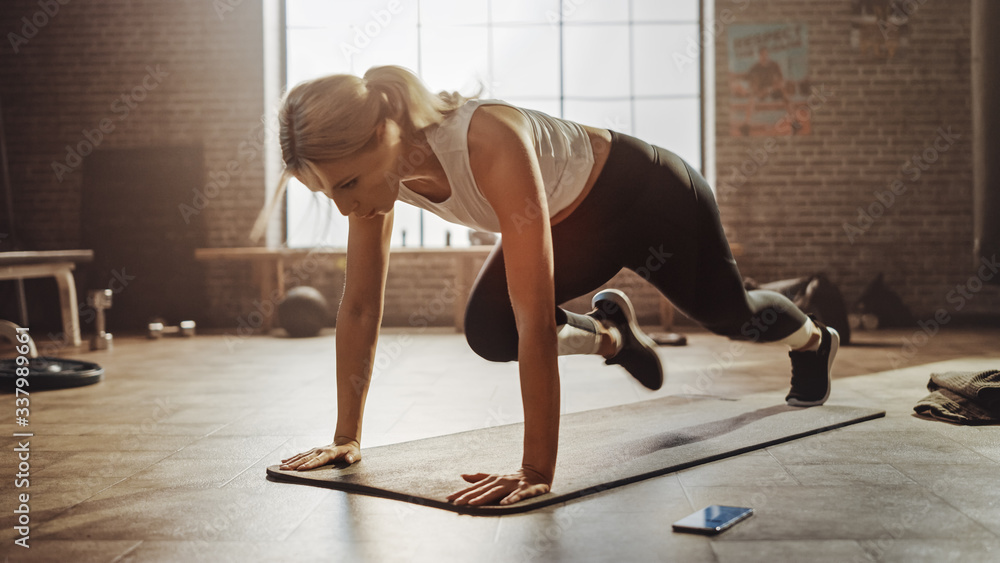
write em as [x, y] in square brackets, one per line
[268, 268]
[269, 271]
[58, 264]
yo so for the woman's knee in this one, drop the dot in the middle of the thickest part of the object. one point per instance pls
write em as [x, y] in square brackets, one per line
[757, 322]
[489, 337]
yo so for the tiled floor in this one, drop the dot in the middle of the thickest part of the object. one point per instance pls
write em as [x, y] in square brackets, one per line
[164, 460]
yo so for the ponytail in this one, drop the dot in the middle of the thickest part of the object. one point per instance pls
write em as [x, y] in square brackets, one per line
[335, 116]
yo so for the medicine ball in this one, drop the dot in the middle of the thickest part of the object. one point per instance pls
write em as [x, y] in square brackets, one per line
[303, 312]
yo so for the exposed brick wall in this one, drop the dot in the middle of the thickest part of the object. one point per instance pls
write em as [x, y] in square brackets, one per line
[66, 79]
[790, 213]
[426, 289]
[62, 82]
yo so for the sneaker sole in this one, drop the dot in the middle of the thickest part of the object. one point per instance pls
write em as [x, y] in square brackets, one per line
[834, 346]
[622, 302]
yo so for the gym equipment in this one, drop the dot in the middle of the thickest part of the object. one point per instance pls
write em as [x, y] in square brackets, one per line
[157, 329]
[598, 449]
[669, 338]
[303, 312]
[43, 372]
[883, 306]
[14, 242]
[100, 300]
[46, 373]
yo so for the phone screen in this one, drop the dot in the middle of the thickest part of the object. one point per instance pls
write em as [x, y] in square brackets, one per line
[712, 519]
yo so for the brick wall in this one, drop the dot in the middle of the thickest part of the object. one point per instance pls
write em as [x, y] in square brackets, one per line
[428, 288]
[789, 214]
[797, 212]
[70, 75]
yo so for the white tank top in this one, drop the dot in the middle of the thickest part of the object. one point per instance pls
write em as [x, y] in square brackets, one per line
[564, 156]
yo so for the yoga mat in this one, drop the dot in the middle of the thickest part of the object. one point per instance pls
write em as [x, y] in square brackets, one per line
[598, 449]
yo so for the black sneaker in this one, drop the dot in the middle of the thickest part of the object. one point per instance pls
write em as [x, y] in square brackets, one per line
[811, 371]
[638, 352]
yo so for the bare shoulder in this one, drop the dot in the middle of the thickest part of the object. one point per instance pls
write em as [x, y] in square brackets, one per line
[495, 126]
[502, 156]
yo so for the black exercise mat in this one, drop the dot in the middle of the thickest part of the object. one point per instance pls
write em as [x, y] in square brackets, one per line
[598, 449]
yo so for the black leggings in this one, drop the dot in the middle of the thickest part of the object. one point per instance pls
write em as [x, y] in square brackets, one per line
[651, 213]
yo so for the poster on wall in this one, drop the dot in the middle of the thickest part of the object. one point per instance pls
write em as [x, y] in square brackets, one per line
[768, 80]
[879, 28]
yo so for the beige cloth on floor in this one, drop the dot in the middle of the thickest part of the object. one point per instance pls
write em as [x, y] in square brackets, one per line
[963, 397]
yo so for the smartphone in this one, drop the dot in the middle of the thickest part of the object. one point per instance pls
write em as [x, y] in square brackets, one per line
[712, 519]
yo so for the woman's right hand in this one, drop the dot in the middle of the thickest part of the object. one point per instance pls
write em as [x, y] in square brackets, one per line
[348, 450]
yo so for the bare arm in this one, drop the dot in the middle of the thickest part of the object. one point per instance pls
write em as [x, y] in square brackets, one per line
[358, 321]
[506, 170]
[359, 318]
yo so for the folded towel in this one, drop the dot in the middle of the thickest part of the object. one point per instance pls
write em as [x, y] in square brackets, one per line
[964, 397]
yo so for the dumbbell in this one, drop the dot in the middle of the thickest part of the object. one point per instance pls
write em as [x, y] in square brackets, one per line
[100, 300]
[157, 330]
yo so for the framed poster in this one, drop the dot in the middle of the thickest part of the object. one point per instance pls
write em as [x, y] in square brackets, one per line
[768, 80]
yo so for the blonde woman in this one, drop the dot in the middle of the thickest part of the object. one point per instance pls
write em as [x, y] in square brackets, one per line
[573, 204]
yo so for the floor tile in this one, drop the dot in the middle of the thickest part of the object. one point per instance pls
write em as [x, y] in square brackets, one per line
[814, 551]
[165, 460]
[840, 512]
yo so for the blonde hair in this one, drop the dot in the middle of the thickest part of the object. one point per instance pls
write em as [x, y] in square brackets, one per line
[335, 116]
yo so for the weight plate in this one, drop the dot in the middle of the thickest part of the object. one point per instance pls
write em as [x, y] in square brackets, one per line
[50, 373]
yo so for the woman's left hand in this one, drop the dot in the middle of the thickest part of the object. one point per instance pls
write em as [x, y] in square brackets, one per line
[508, 489]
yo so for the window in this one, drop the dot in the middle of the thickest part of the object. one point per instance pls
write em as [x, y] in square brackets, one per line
[628, 65]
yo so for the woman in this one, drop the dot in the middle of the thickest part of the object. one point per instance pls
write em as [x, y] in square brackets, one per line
[573, 204]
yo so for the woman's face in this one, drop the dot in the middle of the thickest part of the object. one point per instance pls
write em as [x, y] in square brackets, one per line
[361, 184]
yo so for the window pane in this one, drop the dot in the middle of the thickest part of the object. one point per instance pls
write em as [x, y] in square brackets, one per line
[323, 13]
[394, 47]
[344, 46]
[665, 10]
[595, 10]
[312, 53]
[666, 60]
[672, 124]
[310, 215]
[435, 229]
[596, 61]
[523, 11]
[640, 79]
[406, 220]
[452, 12]
[454, 58]
[526, 61]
